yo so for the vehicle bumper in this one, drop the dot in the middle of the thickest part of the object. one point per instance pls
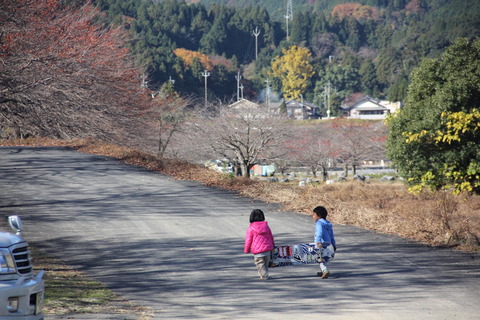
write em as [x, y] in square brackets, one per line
[27, 297]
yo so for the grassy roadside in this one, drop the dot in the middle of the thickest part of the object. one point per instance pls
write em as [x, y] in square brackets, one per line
[69, 291]
[437, 219]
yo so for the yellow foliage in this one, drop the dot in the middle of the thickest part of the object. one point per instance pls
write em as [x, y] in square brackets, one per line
[457, 124]
[415, 137]
[188, 56]
[294, 70]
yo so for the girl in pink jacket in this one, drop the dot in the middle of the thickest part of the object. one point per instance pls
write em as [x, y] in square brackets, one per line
[259, 241]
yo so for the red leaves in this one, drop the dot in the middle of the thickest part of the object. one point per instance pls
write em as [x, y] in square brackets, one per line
[61, 66]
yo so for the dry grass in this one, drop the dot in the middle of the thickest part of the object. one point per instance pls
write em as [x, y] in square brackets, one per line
[68, 291]
[438, 219]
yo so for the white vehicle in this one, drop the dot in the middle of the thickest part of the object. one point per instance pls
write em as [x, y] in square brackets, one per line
[21, 293]
[223, 165]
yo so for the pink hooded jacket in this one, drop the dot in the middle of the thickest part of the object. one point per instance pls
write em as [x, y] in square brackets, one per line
[259, 238]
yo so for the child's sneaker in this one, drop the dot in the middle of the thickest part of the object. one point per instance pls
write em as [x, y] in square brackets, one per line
[325, 274]
[319, 274]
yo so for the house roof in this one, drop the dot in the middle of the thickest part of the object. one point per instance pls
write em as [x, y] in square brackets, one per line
[368, 105]
[294, 102]
[244, 103]
[365, 103]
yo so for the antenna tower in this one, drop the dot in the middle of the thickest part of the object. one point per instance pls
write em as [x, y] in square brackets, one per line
[289, 15]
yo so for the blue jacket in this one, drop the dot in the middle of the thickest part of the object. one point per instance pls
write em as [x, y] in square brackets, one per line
[324, 232]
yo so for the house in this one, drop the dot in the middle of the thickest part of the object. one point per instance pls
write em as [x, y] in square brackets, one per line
[296, 110]
[302, 110]
[244, 104]
[391, 106]
[246, 107]
[370, 108]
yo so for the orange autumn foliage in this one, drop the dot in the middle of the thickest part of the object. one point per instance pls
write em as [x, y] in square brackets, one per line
[355, 10]
[188, 56]
[414, 6]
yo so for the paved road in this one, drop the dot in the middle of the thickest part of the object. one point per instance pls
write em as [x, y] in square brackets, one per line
[176, 246]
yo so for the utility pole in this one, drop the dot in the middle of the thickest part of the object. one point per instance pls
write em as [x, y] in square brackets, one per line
[144, 81]
[256, 33]
[205, 74]
[171, 80]
[289, 15]
[303, 106]
[326, 97]
[241, 90]
[238, 77]
[267, 93]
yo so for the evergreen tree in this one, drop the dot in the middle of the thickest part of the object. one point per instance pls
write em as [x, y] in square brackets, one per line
[394, 41]
[300, 29]
[433, 141]
[398, 91]
[368, 77]
[354, 36]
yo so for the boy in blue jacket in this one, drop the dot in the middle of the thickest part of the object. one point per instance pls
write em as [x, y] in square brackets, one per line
[324, 239]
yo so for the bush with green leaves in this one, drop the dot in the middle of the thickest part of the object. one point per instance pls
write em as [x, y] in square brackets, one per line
[434, 141]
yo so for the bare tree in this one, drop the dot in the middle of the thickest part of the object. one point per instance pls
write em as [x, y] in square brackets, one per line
[62, 74]
[312, 148]
[356, 141]
[166, 116]
[282, 164]
[243, 135]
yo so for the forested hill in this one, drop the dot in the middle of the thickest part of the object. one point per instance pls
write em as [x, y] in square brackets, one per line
[368, 46]
[277, 8]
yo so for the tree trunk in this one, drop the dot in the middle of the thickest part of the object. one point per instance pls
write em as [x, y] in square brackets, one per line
[245, 170]
[324, 174]
[237, 170]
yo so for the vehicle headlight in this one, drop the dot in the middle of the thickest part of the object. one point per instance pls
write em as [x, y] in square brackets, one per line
[12, 305]
[7, 265]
